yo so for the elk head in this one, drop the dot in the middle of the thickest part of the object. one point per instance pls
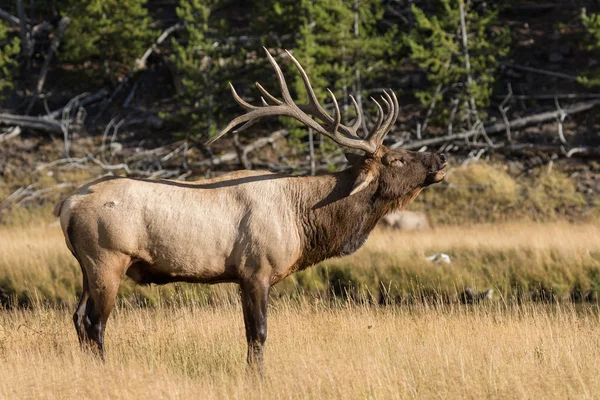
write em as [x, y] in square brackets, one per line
[398, 173]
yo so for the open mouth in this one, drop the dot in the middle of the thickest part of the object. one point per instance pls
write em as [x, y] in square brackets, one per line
[440, 174]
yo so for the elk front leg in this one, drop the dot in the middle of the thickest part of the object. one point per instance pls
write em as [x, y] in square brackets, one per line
[255, 296]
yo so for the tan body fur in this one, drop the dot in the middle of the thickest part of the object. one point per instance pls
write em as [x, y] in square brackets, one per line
[212, 231]
[252, 228]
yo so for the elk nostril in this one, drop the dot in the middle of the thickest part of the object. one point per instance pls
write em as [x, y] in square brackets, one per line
[443, 158]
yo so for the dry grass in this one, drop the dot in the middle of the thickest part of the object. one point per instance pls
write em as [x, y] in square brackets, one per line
[312, 352]
[315, 349]
[558, 256]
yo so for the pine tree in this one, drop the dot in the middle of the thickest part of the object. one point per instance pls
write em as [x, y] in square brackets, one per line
[339, 44]
[591, 22]
[436, 45]
[9, 49]
[115, 32]
[198, 60]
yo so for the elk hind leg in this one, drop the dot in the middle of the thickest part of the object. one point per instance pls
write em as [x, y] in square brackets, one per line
[104, 279]
[80, 312]
[255, 297]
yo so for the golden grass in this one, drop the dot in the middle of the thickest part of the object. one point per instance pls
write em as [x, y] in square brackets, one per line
[194, 347]
[557, 256]
[561, 236]
[313, 351]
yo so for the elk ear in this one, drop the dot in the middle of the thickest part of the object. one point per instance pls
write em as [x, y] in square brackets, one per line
[362, 181]
[353, 159]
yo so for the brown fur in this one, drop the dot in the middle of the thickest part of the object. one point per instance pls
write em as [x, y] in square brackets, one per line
[253, 228]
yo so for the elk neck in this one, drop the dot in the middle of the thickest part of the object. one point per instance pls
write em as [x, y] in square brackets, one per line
[333, 223]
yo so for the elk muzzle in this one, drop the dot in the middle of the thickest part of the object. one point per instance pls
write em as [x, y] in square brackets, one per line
[437, 175]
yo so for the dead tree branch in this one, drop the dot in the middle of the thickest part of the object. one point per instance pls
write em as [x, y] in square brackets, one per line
[9, 17]
[140, 63]
[82, 101]
[540, 71]
[558, 150]
[26, 41]
[62, 27]
[233, 155]
[560, 96]
[39, 123]
[14, 132]
[560, 117]
[503, 109]
[501, 126]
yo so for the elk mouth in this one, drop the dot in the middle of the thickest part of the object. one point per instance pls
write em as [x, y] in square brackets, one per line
[437, 176]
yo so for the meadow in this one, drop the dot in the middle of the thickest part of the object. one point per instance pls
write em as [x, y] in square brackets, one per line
[328, 336]
[523, 261]
[313, 351]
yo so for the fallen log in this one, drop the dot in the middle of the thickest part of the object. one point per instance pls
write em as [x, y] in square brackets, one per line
[62, 27]
[39, 123]
[501, 126]
[586, 152]
[99, 95]
[9, 17]
[243, 154]
[539, 71]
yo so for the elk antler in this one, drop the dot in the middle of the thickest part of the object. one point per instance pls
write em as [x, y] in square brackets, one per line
[332, 127]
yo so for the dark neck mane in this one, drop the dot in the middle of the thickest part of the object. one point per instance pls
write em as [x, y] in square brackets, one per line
[332, 223]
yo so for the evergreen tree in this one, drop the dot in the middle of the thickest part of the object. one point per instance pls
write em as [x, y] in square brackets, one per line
[436, 45]
[339, 43]
[9, 49]
[195, 61]
[115, 32]
[591, 22]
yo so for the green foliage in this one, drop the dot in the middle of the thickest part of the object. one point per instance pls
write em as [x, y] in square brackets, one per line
[338, 43]
[435, 44]
[112, 32]
[205, 63]
[9, 49]
[591, 22]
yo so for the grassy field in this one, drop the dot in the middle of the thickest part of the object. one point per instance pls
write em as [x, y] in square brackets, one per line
[523, 261]
[313, 351]
[187, 341]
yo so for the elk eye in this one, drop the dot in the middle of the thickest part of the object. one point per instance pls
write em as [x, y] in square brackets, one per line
[397, 163]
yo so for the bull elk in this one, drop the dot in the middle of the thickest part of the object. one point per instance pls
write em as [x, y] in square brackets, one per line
[253, 228]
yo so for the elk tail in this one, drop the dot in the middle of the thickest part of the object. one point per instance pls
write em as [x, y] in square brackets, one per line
[58, 207]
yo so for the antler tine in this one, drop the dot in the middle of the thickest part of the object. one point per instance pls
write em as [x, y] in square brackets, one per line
[358, 122]
[337, 114]
[267, 94]
[255, 114]
[379, 115]
[382, 119]
[393, 111]
[313, 102]
[387, 104]
[241, 101]
[285, 92]
[304, 113]
[396, 106]
[387, 122]
[246, 125]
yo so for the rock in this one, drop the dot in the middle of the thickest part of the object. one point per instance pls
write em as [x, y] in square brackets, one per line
[407, 221]
[116, 147]
[439, 258]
